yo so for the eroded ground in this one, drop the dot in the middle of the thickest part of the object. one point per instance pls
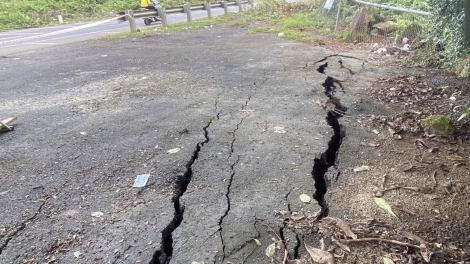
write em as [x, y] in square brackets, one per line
[232, 129]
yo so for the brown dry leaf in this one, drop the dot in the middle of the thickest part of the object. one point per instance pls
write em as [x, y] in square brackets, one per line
[320, 256]
[343, 226]
[455, 157]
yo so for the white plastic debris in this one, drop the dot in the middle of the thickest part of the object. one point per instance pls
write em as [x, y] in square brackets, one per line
[173, 151]
[83, 133]
[77, 254]
[141, 180]
[406, 47]
[381, 50]
[279, 130]
[97, 214]
[281, 34]
[362, 168]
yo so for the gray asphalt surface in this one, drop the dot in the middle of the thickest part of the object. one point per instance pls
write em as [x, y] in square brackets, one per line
[35, 38]
[242, 110]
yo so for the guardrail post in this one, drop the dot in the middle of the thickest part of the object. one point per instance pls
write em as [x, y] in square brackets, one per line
[239, 4]
[162, 14]
[251, 3]
[187, 10]
[208, 8]
[225, 5]
[130, 17]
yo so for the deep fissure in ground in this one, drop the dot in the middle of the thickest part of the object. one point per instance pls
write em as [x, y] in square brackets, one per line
[328, 158]
[164, 254]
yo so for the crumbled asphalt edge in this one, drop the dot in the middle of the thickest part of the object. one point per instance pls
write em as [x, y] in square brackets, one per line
[164, 254]
[325, 160]
[232, 168]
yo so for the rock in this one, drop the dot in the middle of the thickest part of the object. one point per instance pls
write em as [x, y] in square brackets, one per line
[384, 28]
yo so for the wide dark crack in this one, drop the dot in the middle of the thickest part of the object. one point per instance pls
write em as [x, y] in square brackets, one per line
[19, 228]
[164, 254]
[327, 159]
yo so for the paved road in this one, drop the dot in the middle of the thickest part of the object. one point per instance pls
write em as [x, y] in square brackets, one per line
[34, 38]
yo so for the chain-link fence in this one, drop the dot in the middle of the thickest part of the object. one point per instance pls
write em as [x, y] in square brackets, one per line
[381, 26]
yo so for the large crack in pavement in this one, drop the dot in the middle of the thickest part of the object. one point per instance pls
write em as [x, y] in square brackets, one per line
[328, 158]
[164, 254]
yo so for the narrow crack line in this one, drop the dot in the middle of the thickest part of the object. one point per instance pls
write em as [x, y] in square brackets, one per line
[216, 107]
[164, 254]
[227, 196]
[19, 228]
[338, 55]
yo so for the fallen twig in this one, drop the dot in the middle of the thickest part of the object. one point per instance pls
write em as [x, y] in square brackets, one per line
[376, 239]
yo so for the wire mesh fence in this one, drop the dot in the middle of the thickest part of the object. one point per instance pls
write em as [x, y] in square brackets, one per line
[379, 26]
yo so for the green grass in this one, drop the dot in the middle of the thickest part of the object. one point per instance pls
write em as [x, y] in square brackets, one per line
[230, 20]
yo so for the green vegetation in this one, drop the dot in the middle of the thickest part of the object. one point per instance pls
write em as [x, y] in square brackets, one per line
[438, 123]
[34, 13]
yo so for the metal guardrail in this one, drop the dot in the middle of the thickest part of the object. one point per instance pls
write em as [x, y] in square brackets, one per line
[402, 9]
[131, 15]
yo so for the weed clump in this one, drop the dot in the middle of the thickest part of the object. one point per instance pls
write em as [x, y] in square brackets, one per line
[439, 124]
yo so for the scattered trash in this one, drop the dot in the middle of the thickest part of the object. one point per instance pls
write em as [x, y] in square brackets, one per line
[376, 131]
[257, 241]
[362, 168]
[406, 47]
[381, 50]
[384, 205]
[104, 55]
[405, 40]
[97, 214]
[281, 34]
[305, 198]
[83, 133]
[77, 254]
[141, 180]
[175, 150]
[279, 130]
[270, 250]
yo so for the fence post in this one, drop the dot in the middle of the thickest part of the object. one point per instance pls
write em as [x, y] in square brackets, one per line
[225, 5]
[130, 17]
[162, 14]
[208, 8]
[187, 10]
[239, 4]
[466, 26]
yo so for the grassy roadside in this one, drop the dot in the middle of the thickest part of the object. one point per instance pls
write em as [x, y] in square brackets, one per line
[37, 13]
[294, 21]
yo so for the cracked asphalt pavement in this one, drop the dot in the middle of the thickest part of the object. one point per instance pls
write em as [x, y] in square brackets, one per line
[93, 115]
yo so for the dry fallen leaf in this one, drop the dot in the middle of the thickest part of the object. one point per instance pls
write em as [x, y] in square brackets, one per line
[388, 261]
[384, 205]
[320, 256]
[305, 198]
[455, 157]
[343, 226]
[270, 250]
